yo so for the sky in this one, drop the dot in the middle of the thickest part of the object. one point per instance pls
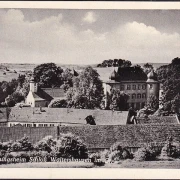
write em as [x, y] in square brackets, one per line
[88, 36]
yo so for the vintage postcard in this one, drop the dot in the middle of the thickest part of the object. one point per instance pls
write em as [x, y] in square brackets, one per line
[89, 85]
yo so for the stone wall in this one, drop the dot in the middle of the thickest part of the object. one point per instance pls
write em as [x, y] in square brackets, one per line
[102, 136]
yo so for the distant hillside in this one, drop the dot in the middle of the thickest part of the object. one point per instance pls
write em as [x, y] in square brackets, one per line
[8, 71]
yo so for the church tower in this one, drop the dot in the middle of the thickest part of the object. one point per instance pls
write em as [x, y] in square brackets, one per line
[152, 85]
[33, 85]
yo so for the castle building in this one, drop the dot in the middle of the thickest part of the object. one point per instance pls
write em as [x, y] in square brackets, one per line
[135, 83]
[41, 97]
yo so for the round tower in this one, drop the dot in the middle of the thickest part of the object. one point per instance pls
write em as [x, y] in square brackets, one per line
[152, 85]
[33, 85]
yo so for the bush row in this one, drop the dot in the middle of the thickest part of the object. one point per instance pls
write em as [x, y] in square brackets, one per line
[66, 146]
[117, 153]
[69, 146]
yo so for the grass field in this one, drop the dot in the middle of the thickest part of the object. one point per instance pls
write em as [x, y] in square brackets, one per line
[175, 164]
[49, 165]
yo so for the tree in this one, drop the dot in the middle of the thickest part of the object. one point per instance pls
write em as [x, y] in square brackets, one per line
[117, 100]
[153, 103]
[67, 77]
[72, 146]
[48, 75]
[169, 75]
[9, 101]
[147, 68]
[87, 91]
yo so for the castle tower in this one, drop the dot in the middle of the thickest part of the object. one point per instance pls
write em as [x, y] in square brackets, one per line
[33, 85]
[152, 85]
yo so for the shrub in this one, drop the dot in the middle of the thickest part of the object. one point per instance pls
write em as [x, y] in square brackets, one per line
[90, 120]
[97, 159]
[145, 154]
[46, 144]
[2, 153]
[170, 149]
[60, 103]
[22, 144]
[70, 145]
[104, 155]
[20, 155]
[7, 145]
[117, 153]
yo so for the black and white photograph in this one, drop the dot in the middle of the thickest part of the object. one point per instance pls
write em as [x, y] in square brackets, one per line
[89, 88]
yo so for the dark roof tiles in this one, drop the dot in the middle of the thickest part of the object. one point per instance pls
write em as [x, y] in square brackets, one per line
[49, 94]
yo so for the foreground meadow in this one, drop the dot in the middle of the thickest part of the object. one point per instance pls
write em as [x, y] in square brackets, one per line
[174, 164]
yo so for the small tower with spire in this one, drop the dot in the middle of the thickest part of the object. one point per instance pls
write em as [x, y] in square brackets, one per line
[33, 85]
[152, 85]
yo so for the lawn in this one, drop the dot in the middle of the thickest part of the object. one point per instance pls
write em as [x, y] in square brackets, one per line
[174, 164]
[49, 165]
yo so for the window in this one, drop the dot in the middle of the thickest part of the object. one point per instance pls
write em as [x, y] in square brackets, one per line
[150, 86]
[51, 125]
[122, 88]
[45, 125]
[144, 95]
[139, 86]
[133, 96]
[28, 125]
[139, 96]
[134, 87]
[128, 87]
[144, 86]
[40, 125]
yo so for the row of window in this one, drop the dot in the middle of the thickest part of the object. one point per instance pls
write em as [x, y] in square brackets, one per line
[34, 125]
[138, 96]
[137, 105]
[133, 87]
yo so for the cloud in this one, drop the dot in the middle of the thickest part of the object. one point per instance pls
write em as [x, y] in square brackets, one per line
[90, 17]
[53, 39]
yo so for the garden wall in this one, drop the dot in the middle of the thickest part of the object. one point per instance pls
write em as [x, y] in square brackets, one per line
[102, 136]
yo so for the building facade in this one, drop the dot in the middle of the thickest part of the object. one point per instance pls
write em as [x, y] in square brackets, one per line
[136, 84]
[41, 97]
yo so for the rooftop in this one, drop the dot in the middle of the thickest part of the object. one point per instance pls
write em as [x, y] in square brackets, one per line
[48, 93]
[65, 115]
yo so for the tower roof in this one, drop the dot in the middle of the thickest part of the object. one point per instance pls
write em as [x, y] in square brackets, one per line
[152, 76]
[113, 75]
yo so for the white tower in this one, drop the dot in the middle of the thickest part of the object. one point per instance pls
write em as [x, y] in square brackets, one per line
[33, 85]
[152, 85]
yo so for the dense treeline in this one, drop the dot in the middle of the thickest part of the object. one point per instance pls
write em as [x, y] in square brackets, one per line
[14, 91]
[115, 63]
[169, 76]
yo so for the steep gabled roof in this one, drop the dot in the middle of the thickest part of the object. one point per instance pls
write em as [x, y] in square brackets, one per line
[48, 94]
[134, 73]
